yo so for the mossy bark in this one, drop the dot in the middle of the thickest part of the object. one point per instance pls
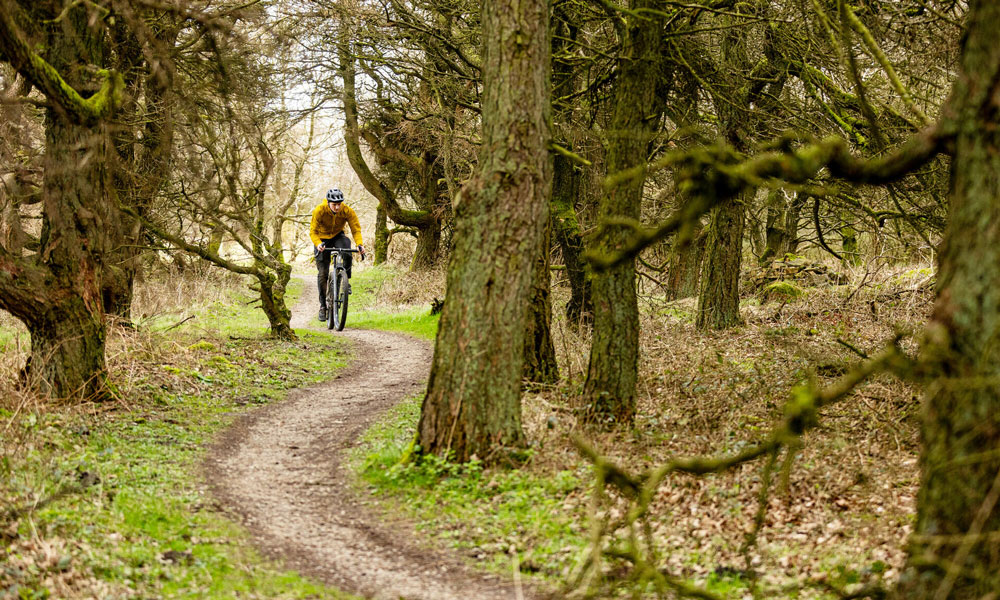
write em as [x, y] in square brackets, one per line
[472, 406]
[849, 241]
[273, 283]
[566, 175]
[610, 389]
[425, 255]
[955, 549]
[781, 229]
[684, 268]
[718, 300]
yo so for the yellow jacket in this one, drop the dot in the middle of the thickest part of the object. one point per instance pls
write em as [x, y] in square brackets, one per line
[325, 224]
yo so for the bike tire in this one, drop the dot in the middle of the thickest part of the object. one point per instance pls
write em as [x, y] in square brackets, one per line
[331, 306]
[340, 300]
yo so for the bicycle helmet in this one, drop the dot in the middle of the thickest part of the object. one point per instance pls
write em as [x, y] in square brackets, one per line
[334, 195]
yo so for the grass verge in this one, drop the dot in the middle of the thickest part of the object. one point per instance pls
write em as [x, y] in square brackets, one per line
[490, 516]
[104, 501]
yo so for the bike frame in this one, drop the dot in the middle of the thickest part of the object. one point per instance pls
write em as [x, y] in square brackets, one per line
[336, 289]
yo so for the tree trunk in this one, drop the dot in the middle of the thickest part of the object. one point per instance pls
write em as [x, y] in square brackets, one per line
[381, 236]
[849, 241]
[272, 301]
[472, 407]
[609, 392]
[791, 237]
[954, 552]
[539, 351]
[719, 300]
[118, 286]
[684, 269]
[145, 163]
[425, 256]
[781, 228]
[567, 176]
[64, 312]
[566, 227]
[56, 293]
[67, 351]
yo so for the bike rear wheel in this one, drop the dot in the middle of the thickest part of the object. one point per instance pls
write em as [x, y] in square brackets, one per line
[339, 313]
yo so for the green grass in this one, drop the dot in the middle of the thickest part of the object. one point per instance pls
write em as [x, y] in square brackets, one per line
[482, 513]
[417, 321]
[119, 509]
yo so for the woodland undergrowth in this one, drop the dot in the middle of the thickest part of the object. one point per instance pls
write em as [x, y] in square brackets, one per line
[838, 510]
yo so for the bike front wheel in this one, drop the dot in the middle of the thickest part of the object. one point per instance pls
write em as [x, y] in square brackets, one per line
[331, 305]
[339, 312]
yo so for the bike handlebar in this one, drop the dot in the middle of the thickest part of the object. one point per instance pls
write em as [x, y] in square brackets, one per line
[343, 251]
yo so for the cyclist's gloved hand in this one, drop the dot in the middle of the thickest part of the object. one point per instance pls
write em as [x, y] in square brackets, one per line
[361, 250]
[321, 247]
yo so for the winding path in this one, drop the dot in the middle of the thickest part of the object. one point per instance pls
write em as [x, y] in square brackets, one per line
[279, 470]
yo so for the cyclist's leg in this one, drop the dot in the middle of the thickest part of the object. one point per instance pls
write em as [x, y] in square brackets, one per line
[342, 241]
[322, 272]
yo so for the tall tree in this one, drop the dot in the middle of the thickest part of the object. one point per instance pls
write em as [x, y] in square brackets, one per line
[567, 174]
[740, 72]
[426, 222]
[610, 389]
[472, 406]
[143, 137]
[233, 147]
[955, 548]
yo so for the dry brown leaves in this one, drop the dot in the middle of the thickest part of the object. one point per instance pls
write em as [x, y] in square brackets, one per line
[843, 510]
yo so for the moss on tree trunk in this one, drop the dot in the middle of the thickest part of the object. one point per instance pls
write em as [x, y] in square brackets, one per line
[684, 269]
[566, 228]
[381, 236]
[56, 293]
[272, 288]
[781, 230]
[425, 255]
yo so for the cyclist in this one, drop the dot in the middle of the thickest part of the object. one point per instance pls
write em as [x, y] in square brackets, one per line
[327, 231]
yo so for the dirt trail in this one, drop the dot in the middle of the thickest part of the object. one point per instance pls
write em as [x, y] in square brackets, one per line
[280, 470]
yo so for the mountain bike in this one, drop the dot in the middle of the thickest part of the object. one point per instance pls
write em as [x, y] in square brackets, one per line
[337, 290]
